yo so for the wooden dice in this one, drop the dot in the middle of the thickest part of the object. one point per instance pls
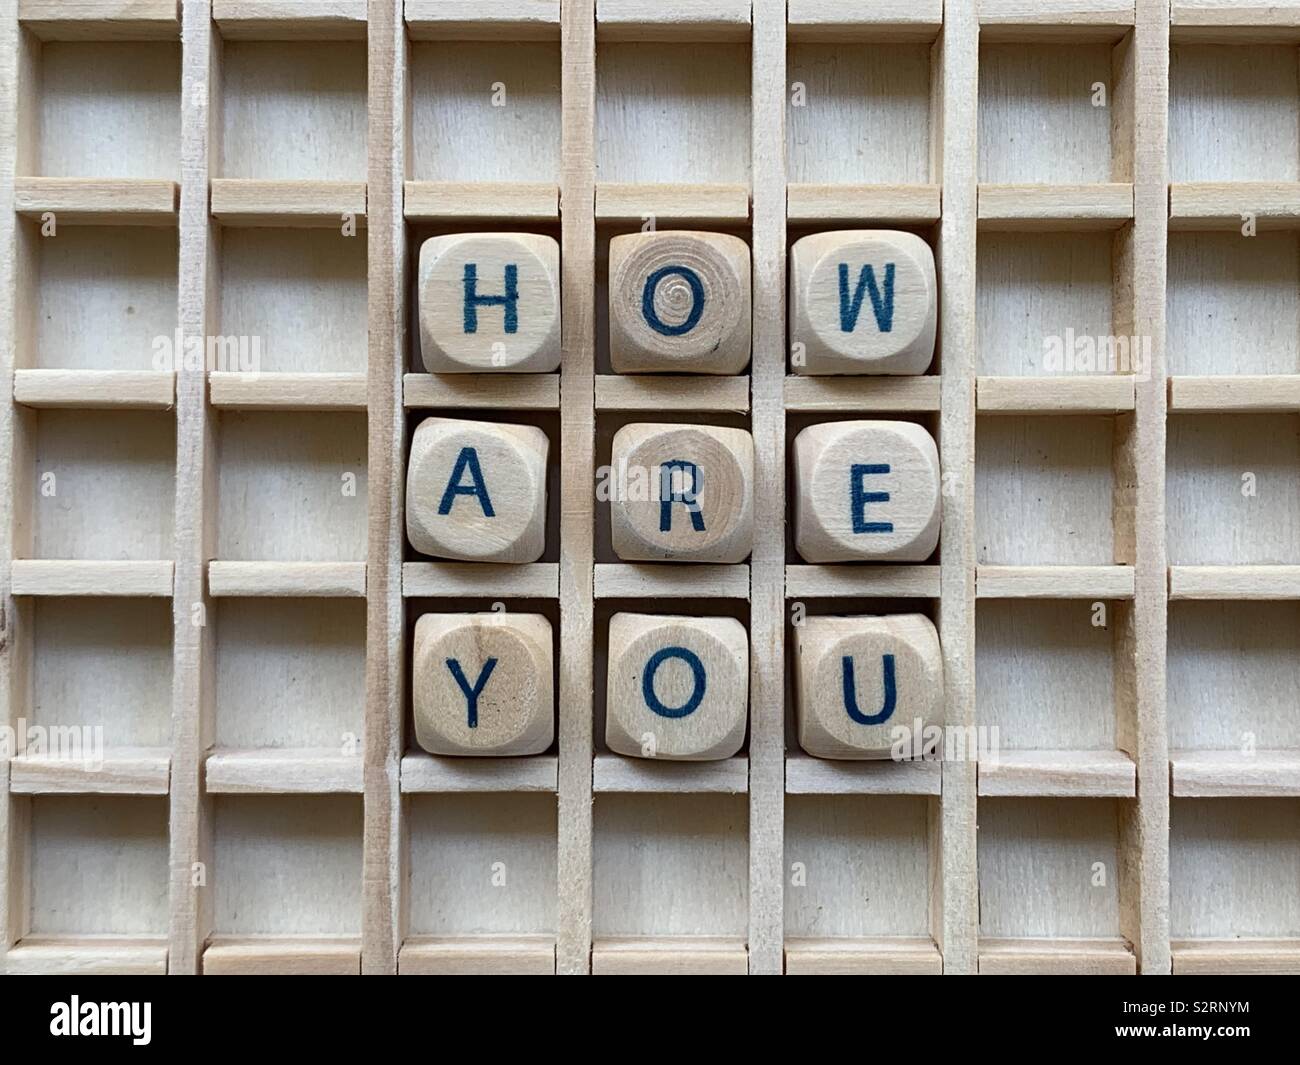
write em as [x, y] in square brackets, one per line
[483, 684]
[862, 302]
[490, 302]
[678, 687]
[866, 490]
[865, 685]
[679, 302]
[477, 490]
[682, 493]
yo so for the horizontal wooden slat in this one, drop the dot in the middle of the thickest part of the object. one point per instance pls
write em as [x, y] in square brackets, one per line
[75, 577]
[614, 773]
[428, 773]
[671, 392]
[282, 771]
[1235, 21]
[483, 20]
[672, 20]
[97, 201]
[1228, 205]
[1051, 208]
[108, 955]
[864, 394]
[287, 391]
[293, 204]
[484, 955]
[1048, 957]
[1222, 393]
[901, 204]
[1099, 394]
[669, 956]
[1234, 582]
[459, 201]
[1220, 774]
[634, 580]
[857, 20]
[1235, 957]
[805, 775]
[282, 955]
[96, 389]
[630, 204]
[291, 20]
[1054, 582]
[1058, 773]
[866, 580]
[287, 580]
[431, 580]
[101, 20]
[122, 771]
[483, 391]
[853, 956]
[1064, 16]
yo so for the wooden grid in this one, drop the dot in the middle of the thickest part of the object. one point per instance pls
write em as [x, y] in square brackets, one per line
[231, 834]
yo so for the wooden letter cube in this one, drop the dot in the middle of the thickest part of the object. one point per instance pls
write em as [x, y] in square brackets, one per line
[679, 302]
[862, 302]
[490, 302]
[477, 490]
[858, 680]
[678, 687]
[483, 684]
[682, 492]
[866, 490]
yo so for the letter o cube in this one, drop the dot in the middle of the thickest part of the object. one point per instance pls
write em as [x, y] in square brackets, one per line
[679, 302]
[678, 687]
[859, 679]
[477, 490]
[862, 302]
[682, 492]
[490, 303]
[483, 684]
[866, 490]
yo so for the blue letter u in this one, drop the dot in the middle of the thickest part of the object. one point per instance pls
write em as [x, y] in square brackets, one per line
[851, 698]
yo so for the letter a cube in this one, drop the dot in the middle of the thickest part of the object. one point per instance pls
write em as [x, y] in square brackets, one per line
[679, 302]
[865, 685]
[477, 490]
[483, 684]
[678, 687]
[682, 492]
[490, 302]
[862, 302]
[866, 490]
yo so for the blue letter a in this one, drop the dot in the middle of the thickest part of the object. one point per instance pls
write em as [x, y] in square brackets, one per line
[881, 306]
[851, 698]
[466, 460]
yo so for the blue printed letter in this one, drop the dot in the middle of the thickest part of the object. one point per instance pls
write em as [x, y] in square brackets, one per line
[648, 682]
[473, 301]
[882, 307]
[648, 300]
[851, 699]
[466, 460]
[472, 694]
[859, 498]
[688, 496]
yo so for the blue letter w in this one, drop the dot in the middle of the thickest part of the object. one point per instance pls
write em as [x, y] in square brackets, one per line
[881, 307]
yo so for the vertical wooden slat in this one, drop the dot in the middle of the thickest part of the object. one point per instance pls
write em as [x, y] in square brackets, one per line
[382, 887]
[193, 623]
[577, 493]
[767, 567]
[956, 910]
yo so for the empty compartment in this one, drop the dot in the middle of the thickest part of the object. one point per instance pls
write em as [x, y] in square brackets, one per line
[1232, 495]
[290, 673]
[485, 111]
[292, 487]
[102, 664]
[102, 109]
[97, 866]
[859, 114]
[1233, 671]
[293, 110]
[857, 866]
[104, 298]
[1233, 303]
[1045, 304]
[1050, 114]
[1043, 490]
[1234, 112]
[294, 299]
[482, 864]
[673, 113]
[102, 484]
[1045, 673]
[287, 866]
